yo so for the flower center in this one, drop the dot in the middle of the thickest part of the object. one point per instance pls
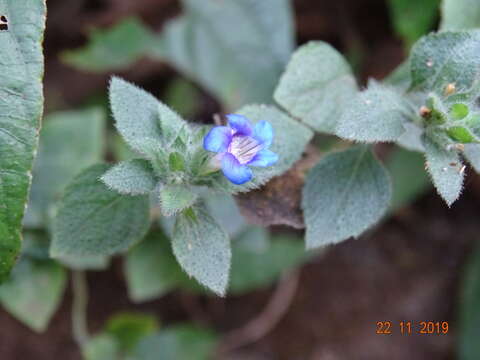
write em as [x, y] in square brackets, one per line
[244, 148]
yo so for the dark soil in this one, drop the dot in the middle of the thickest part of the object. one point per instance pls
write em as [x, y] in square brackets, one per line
[407, 269]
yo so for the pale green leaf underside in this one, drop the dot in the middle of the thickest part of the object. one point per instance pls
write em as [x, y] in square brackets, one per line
[447, 57]
[444, 167]
[70, 141]
[289, 142]
[460, 14]
[34, 292]
[202, 248]
[234, 48]
[93, 220]
[102, 347]
[21, 106]
[136, 116]
[133, 177]
[345, 194]
[315, 86]
[376, 114]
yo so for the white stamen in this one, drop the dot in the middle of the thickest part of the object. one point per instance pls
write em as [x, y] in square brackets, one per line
[244, 148]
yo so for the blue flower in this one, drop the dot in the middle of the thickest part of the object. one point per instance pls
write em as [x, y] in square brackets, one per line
[239, 145]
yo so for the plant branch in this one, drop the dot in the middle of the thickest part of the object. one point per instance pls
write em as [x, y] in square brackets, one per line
[79, 307]
[267, 320]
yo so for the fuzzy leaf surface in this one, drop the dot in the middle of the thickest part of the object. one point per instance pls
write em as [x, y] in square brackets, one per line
[202, 248]
[133, 177]
[21, 107]
[345, 194]
[376, 114]
[94, 220]
[316, 85]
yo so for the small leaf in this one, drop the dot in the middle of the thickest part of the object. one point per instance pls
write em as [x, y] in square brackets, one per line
[446, 58]
[469, 309]
[289, 142]
[460, 134]
[376, 114]
[448, 179]
[175, 198]
[101, 347]
[133, 177]
[70, 141]
[344, 195]
[136, 116]
[180, 342]
[202, 248]
[150, 268]
[129, 328]
[93, 220]
[34, 292]
[459, 111]
[171, 124]
[21, 106]
[460, 14]
[176, 162]
[112, 49]
[317, 83]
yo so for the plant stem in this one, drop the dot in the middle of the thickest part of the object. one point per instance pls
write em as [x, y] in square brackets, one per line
[79, 307]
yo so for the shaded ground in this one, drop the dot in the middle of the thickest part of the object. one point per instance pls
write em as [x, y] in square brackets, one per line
[406, 269]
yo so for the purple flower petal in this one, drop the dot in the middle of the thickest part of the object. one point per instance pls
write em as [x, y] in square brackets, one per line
[218, 139]
[263, 133]
[234, 171]
[264, 158]
[240, 124]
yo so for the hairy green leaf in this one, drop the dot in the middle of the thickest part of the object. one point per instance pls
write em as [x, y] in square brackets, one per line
[136, 116]
[34, 292]
[376, 114]
[133, 177]
[180, 342]
[344, 195]
[93, 220]
[446, 58]
[70, 141]
[316, 85]
[112, 49]
[202, 248]
[460, 14]
[445, 168]
[289, 142]
[175, 198]
[21, 106]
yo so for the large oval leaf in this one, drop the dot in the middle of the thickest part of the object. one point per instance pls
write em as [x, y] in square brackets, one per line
[21, 106]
